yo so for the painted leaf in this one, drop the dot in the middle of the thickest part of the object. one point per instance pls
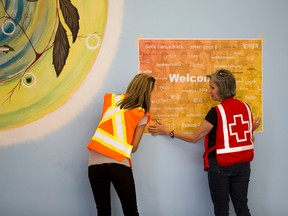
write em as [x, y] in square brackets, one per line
[60, 49]
[71, 17]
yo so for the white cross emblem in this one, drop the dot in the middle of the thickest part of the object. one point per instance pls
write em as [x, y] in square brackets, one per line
[243, 125]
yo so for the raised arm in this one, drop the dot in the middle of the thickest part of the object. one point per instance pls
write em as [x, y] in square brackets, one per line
[160, 129]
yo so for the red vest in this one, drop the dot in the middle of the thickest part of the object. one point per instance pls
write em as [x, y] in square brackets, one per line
[234, 134]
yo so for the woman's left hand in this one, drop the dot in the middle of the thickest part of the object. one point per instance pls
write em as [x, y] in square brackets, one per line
[157, 129]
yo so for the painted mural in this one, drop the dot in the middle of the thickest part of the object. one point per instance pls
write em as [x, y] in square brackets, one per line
[48, 50]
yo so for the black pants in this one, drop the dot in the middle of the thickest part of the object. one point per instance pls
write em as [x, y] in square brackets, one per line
[229, 181]
[101, 176]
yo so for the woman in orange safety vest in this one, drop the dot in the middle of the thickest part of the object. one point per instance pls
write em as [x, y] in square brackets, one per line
[228, 131]
[121, 126]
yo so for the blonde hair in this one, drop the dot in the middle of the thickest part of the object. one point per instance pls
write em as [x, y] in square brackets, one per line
[138, 93]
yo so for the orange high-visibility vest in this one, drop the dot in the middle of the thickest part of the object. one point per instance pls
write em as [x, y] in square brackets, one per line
[115, 132]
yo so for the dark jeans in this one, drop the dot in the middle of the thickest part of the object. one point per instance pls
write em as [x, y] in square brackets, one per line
[101, 176]
[229, 181]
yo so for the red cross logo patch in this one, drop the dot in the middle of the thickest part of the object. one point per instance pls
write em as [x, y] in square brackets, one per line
[239, 128]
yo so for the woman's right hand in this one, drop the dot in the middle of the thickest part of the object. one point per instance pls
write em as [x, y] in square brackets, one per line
[256, 123]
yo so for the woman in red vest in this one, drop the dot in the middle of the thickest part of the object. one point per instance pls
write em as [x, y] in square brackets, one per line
[121, 126]
[228, 131]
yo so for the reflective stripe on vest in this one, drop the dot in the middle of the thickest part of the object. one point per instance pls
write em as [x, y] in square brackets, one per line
[227, 148]
[118, 141]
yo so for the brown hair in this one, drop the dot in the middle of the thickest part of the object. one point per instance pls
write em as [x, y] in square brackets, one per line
[139, 93]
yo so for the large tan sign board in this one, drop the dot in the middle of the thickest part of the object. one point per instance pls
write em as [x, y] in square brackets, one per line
[180, 99]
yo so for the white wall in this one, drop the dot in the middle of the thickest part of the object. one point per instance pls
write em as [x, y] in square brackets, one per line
[49, 176]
